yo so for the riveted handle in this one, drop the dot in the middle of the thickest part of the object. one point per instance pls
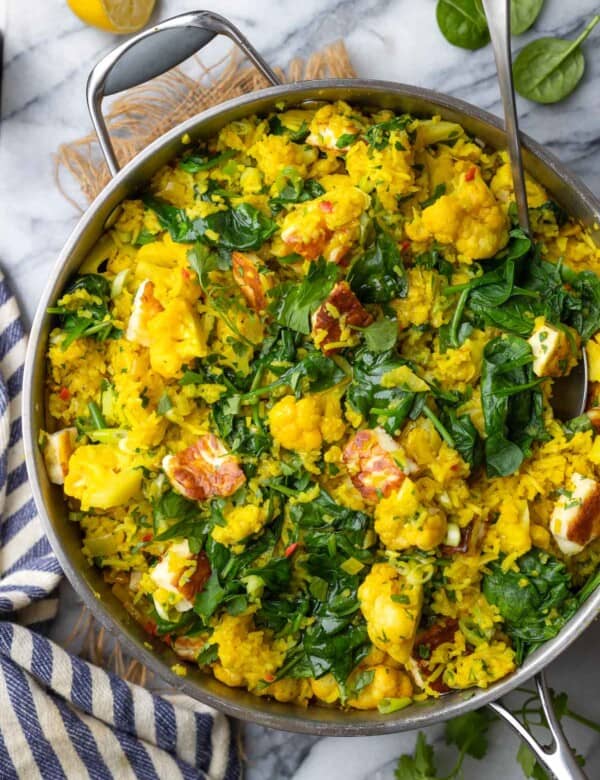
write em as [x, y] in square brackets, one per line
[557, 758]
[155, 51]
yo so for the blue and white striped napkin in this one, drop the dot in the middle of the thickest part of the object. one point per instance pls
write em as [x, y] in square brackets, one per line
[61, 717]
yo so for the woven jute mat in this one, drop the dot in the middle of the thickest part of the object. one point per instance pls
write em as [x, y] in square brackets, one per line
[135, 119]
[144, 113]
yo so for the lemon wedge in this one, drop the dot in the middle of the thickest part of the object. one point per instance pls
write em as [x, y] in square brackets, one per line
[116, 16]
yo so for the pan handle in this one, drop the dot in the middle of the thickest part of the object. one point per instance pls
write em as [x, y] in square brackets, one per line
[557, 758]
[155, 51]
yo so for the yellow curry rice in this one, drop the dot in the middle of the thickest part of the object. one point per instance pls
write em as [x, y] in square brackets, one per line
[299, 394]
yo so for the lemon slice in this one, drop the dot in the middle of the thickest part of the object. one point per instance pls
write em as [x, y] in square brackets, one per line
[116, 16]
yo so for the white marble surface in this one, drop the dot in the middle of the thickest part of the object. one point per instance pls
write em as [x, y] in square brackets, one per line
[48, 54]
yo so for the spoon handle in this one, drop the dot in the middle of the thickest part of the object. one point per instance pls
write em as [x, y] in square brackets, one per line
[498, 18]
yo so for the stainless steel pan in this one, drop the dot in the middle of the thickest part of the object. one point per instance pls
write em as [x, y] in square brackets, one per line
[137, 60]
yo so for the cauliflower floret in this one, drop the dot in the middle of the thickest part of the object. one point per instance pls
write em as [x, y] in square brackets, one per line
[246, 656]
[252, 278]
[402, 521]
[391, 606]
[328, 225]
[302, 425]
[502, 187]
[57, 449]
[575, 519]
[101, 476]
[330, 123]
[387, 683]
[554, 349]
[335, 322]
[176, 337]
[376, 464]
[241, 521]
[513, 527]
[469, 218]
[203, 470]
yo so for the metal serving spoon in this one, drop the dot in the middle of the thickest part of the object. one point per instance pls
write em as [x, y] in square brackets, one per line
[569, 393]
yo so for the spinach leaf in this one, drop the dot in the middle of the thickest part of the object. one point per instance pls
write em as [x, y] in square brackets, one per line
[346, 139]
[315, 372]
[523, 14]
[465, 437]
[276, 127]
[194, 163]
[171, 218]
[463, 23]
[512, 404]
[440, 189]
[378, 275]
[434, 260]
[535, 602]
[378, 135]
[86, 319]
[381, 336]
[292, 303]
[388, 407]
[549, 69]
[297, 190]
[336, 639]
[242, 227]
[582, 304]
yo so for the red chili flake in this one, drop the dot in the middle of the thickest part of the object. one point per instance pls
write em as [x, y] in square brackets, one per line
[326, 206]
[470, 174]
[64, 394]
[405, 245]
[147, 537]
[269, 678]
[291, 549]
[185, 273]
[168, 639]
[150, 627]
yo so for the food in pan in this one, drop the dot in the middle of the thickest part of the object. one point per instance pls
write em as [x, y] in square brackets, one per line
[298, 403]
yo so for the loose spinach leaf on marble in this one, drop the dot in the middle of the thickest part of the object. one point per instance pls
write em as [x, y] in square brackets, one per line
[87, 317]
[463, 23]
[292, 303]
[523, 14]
[549, 69]
[512, 404]
[378, 275]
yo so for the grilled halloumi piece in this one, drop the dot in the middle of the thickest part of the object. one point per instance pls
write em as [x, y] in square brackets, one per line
[575, 520]
[376, 463]
[144, 307]
[181, 573]
[554, 349]
[57, 449]
[203, 470]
